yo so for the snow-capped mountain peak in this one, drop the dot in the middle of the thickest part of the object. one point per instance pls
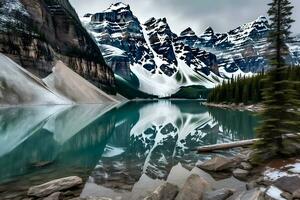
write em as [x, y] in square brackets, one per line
[188, 32]
[150, 51]
[117, 7]
[165, 62]
[209, 31]
[262, 19]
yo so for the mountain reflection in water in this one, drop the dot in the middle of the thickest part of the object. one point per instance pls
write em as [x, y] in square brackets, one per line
[111, 148]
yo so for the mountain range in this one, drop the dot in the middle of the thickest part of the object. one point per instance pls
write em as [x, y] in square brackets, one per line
[165, 63]
[88, 59]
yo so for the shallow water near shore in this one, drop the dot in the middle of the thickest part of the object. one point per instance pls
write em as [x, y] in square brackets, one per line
[120, 152]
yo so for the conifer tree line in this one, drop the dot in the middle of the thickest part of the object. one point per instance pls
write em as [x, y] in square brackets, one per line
[238, 90]
[248, 90]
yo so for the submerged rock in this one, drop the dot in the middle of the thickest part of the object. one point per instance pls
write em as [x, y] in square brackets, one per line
[54, 186]
[193, 188]
[218, 163]
[166, 191]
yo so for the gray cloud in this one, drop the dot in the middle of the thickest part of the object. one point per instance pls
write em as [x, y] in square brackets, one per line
[221, 15]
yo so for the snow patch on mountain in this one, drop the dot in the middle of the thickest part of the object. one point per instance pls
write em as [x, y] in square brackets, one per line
[238, 73]
[117, 7]
[111, 51]
[243, 33]
[10, 8]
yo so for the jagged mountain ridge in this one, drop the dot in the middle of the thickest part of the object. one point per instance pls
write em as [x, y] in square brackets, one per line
[164, 55]
[244, 48]
[162, 68]
[38, 33]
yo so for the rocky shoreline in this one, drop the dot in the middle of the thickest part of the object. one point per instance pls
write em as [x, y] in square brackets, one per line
[276, 180]
[241, 107]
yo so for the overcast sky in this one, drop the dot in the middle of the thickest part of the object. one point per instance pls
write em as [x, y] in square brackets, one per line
[221, 15]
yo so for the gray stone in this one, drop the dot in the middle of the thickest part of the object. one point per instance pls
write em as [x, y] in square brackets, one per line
[296, 194]
[193, 188]
[246, 166]
[54, 196]
[288, 184]
[221, 194]
[166, 191]
[54, 186]
[251, 185]
[246, 155]
[263, 182]
[217, 164]
[254, 194]
[240, 174]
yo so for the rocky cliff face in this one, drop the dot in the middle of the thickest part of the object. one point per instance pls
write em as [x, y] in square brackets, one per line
[37, 33]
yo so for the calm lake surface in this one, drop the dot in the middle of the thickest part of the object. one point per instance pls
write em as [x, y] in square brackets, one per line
[120, 152]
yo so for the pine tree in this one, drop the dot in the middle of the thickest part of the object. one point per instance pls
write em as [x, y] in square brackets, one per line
[245, 92]
[280, 116]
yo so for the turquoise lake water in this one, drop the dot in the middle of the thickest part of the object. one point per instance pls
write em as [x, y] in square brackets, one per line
[117, 150]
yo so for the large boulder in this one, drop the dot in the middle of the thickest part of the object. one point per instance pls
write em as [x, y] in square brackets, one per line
[166, 191]
[288, 184]
[193, 189]
[218, 163]
[54, 186]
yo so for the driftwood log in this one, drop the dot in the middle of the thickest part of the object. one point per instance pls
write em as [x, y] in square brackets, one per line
[243, 143]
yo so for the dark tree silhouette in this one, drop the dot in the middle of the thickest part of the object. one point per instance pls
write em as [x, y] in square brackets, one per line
[281, 115]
